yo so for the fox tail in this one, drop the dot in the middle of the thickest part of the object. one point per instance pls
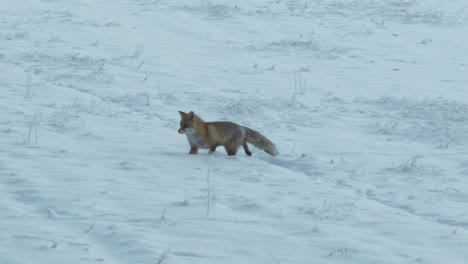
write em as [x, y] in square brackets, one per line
[260, 141]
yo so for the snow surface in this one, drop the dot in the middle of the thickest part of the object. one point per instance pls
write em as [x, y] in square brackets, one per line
[366, 101]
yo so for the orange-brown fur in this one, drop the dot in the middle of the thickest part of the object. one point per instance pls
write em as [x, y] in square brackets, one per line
[231, 136]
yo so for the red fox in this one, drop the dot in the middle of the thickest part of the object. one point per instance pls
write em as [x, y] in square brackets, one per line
[210, 135]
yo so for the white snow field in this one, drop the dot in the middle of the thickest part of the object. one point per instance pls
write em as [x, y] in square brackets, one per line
[367, 102]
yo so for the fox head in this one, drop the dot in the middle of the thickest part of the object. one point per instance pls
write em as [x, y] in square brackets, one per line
[186, 122]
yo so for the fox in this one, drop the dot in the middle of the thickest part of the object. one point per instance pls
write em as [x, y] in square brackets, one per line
[210, 135]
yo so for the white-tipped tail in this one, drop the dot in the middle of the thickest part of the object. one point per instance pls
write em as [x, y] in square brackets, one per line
[260, 141]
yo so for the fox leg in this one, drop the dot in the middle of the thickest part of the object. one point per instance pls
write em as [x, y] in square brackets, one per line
[213, 149]
[193, 150]
[230, 150]
[233, 145]
[246, 148]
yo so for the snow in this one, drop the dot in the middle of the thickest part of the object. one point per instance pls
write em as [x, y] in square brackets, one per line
[365, 100]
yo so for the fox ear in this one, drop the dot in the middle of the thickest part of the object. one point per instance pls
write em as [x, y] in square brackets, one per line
[182, 114]
[191, 115]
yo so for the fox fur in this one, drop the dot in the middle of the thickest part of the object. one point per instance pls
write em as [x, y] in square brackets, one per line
[210, 135]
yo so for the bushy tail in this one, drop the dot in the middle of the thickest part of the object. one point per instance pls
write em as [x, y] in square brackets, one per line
[260, 141]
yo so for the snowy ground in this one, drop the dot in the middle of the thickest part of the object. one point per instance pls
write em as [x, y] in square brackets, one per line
[366, 101]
